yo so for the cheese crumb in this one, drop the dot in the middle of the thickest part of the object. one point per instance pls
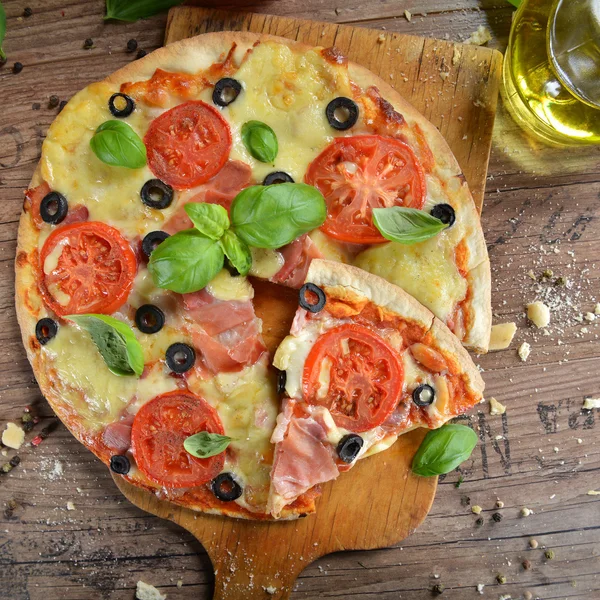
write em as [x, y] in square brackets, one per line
[588, 404]
[408, 15]
[145, 591]
[502, 335]
[480, 587]
[476, 509]
[271, 590]
[524, 351]
[538, 313]
[70, 505]
[180, 583]
[593, 493]
[496, 408]
[479, 37]
[381, 38]
[597, 309]
[589, 316]
[525, 512]
[13, 436]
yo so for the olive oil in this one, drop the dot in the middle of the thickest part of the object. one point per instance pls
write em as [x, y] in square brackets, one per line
[551, 73]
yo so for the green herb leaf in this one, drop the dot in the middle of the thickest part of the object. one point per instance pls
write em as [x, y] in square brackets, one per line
[2, 31]
[237, 252]
[406, 225]
[515, 3]
[444, 449]
[275, 215]
[186, 262]
[205, 444]
[132, 10]
[118, 145]
[115, 341]
[260, 140]
[211, 220]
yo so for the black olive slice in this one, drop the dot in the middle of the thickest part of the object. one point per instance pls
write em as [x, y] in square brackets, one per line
[277, 177]
[149, 318]
[423, 395]
[180, 357]
[45, 330]
[305, 304]
[120, 464]
[53, 208]
[121, 113]
[226, 91]
[156, 194]
[225, 487]
[281, 381]
[152, 240]
[445, 213]
[349, 447]
[342, 113]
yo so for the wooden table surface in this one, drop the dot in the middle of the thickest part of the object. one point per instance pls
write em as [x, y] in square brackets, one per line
[541, 211]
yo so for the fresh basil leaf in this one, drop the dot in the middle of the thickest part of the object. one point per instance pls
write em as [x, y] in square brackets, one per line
[515, 3]
[275, 215]
[2, 31]
[185, 262]
[444, 449]
[132, 10]
[118, 145]
[115, 341]
[260, 140]
[211, 220]
[237, 252]
[205, 444]
[406, 225]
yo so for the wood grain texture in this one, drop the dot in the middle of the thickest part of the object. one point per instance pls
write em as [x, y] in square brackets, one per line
[535, 196]
[454, 86]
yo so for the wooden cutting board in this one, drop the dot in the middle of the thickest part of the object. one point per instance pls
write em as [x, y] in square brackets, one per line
[379, 502]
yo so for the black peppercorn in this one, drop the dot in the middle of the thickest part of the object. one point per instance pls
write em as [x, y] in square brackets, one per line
[526, 565]
[36, 106]
[53, 101]
[28, 426]
[438, 589]
[27, 12]
[62, 104]
[131, 45]
[88, 44]
[497, 517]
[14, 461]
[141, 53]
[17, 67]
[479, 522]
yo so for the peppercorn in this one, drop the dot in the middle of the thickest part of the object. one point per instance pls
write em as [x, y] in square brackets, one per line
[26, 418]
[479, 522]
[88, 44]
[560, 281]
[501, 579]
[17, 68]
[533, 543]
[549, 554]
[27, 427]
[53, 101]
[547, 274]
[62, 104]
[140, 54]
[15, 461]
[36, 106]
[6, 467]
[438, 589]
[497, 517]
[465, 500]
[131, 45]
[526, 565]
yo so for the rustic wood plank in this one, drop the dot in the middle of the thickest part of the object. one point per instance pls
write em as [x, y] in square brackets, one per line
[110, 544]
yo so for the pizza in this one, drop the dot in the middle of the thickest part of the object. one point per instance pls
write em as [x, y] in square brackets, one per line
[364, 363]
[166, 191]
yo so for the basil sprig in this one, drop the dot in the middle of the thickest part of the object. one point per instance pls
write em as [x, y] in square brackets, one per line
[132, 10]
[261, 216]
[205, 444]
[2, 31]
[444, 449]
[275, 215]
[260, 140]
[117, 144]
[115, 341]
[406, 225]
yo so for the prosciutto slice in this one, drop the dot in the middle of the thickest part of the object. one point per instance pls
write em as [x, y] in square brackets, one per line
[297, 258]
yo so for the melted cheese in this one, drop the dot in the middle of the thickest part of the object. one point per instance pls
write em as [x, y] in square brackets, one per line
[265, 262]
[225, 286]
[425, 270]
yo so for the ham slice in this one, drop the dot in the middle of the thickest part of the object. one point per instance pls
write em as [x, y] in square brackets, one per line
[221, 189]
[302, 460]
[117, 436]
[297, 258]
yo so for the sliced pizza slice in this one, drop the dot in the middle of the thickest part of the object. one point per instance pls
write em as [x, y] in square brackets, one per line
[364, 363]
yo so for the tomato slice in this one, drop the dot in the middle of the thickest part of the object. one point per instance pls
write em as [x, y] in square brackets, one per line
[355, 374]
[357, 174]
[159, 430]
[86, 268]
[188, 144]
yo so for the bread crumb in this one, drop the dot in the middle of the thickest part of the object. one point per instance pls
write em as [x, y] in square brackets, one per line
[538, 313]
[479, 37]
[533, 543]
[145, 591]
[456, 55]
[524, 351]
[381, 38]
[495, 407]
[591, 403]
[13, 436]
[408, 15]
[502, 335]
[476, 509]
[70, 505]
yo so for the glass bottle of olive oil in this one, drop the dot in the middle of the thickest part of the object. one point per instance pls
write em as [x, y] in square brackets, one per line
[551, 74]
